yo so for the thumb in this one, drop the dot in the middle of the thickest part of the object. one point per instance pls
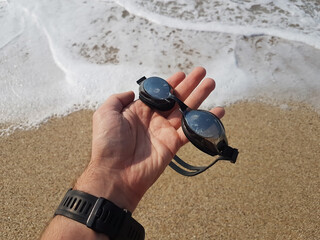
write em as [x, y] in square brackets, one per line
[117, 102]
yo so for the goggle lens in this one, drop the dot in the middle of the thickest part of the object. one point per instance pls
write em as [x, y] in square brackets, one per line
[204, 124]
[157, 88]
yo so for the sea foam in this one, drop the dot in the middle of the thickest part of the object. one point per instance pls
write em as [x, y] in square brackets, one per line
[60, 56]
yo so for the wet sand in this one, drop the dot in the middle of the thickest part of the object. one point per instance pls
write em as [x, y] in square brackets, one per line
[272, 192]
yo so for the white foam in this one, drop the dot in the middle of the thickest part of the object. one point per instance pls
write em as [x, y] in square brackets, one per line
[294, 22]
[57, 57]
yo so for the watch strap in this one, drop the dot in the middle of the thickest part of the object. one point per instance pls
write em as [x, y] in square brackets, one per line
[101, 215]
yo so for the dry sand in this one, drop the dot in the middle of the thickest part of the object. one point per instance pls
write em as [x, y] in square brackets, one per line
[272, 192]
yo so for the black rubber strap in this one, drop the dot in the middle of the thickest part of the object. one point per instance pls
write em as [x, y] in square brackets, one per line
[141, 80]
[101, 215]
[194, 170]
[229, 154]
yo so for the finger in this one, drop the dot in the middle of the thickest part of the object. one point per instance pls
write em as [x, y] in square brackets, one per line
[117, 102]
[182, 136]
[201, 93]
[194, 100]
[176, 79]
[183, 90]
[218, 111]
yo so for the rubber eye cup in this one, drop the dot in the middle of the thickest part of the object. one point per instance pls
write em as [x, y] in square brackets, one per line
[156, 93]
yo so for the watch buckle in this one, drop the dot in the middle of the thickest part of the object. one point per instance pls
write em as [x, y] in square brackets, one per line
[95, 212]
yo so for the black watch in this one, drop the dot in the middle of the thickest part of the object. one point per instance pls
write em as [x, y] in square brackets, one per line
[100, 215]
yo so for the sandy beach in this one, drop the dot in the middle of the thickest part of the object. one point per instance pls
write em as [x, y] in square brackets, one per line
[272, 192]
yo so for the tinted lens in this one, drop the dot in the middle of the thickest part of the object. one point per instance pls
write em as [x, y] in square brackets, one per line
[204, 124]
[157, 87]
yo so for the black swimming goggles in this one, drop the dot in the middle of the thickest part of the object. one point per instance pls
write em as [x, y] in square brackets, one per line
[202, 128]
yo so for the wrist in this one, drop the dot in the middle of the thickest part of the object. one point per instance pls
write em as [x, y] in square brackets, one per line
[107, 184]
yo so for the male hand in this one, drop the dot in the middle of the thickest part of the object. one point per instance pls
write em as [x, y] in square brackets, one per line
[132, 144]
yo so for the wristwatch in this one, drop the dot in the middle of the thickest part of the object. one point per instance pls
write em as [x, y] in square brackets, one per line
[100, 215]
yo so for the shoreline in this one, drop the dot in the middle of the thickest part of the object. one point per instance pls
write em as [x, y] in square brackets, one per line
[271, 192]
[7, 129]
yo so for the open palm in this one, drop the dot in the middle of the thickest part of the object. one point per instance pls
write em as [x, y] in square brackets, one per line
[132, 144]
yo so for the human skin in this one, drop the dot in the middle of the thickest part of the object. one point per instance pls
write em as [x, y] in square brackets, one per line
[132, 145]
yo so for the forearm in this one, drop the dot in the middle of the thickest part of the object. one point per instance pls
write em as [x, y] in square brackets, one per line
[61, 227]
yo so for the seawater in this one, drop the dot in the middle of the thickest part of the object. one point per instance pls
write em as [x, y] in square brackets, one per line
[57, 57]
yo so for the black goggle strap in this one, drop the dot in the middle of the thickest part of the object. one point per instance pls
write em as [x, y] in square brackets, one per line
[229, 154]
[141, 80]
